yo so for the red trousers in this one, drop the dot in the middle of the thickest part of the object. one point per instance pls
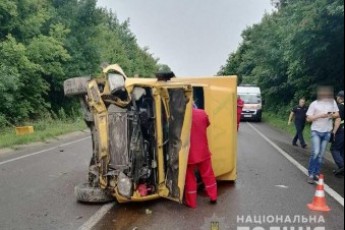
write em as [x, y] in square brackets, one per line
[239, 114]
[209, 179]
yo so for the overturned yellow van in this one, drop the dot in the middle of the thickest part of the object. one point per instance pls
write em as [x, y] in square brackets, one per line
[141, 133]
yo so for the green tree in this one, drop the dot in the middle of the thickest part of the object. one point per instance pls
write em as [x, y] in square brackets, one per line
[8, 11]
[21, 86]
[292, 51]
[44, 42]
[50, 55]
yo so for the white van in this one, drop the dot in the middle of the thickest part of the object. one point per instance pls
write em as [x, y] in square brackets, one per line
[252, 98]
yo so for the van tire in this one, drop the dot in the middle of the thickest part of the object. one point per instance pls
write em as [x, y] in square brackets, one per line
[92, 195]
[76, 86]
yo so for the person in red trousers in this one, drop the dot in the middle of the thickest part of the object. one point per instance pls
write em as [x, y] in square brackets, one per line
[200, 159]
[240, 106]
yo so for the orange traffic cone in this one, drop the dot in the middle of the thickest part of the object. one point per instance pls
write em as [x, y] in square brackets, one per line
[319, 203]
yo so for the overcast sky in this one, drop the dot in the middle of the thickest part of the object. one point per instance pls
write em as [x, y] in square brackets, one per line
[194, 37]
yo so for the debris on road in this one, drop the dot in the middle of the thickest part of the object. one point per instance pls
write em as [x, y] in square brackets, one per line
[148, 212]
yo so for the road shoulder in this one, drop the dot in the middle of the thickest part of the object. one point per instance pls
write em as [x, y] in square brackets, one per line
[302, 156]
[46, 144]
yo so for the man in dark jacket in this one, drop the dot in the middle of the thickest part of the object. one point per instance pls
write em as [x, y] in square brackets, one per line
[200, 159]
[338, 133]
[299, 114]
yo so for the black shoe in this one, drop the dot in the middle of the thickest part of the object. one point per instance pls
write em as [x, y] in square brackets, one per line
[305, 146]
[316, 179]
[294, 144]
[213, 202]
[339, 172]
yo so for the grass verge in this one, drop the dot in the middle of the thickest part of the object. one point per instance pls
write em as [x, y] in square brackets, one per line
[44, 130]
[282, 124]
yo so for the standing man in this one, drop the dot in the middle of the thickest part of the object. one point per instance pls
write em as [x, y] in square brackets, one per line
[200, 159]
[240, 106]
[299, 114]
[338, 142]
[321, 114]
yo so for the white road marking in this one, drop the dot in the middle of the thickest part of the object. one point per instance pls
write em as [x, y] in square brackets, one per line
[43, 151]
[97, 217]
[328, 189]
[282, 186]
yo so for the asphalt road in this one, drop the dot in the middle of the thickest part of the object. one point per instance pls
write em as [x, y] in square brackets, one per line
[36, 192]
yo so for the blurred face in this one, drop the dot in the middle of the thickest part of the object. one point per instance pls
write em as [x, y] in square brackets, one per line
[340, 100]
[325, 93]
[302, 103]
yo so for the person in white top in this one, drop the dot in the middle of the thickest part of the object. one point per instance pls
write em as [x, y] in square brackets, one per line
[321, 114]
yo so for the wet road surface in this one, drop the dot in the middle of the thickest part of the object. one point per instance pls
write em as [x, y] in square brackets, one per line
[268, 185]
[36, 192]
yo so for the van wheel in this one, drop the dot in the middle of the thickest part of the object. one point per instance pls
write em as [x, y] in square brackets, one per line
[76, 86]
[94, 195]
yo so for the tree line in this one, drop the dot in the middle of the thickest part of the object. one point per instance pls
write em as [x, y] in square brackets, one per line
[44, 42]
[292, 51]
